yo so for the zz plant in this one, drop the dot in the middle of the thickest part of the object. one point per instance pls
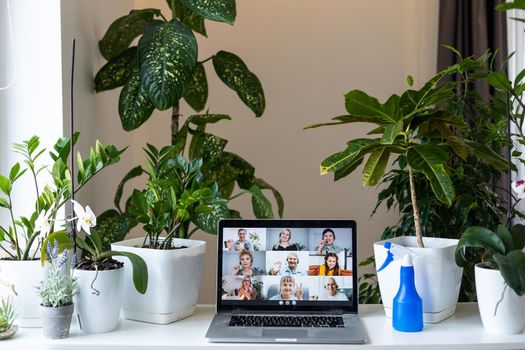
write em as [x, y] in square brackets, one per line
[164, 68]
[417, 130]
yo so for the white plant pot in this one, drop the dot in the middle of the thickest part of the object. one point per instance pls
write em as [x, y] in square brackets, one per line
[437, 277]
[174, 278]
[509, 318]
[25, 275]
[98, 312]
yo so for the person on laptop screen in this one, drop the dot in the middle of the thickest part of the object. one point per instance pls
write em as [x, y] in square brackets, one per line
[241, 244]
[291, 268]
[331, 291]
[286, 290]
[327, 245]
[284, 241]
[246, 291]
[330, 266]
[245, 267]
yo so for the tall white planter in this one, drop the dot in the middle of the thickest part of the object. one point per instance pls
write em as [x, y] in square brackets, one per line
[437, 277]
[25, 275]
[510, 315]
[98, 312]
[174, 278]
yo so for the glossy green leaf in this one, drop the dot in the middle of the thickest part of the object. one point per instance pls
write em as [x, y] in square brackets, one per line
[196, 93]
[188, 17]
[391, 132]
[263, 185]
[486, 154]
[478, 237]
[506, 237]
[236, 75]
[135, 172]
[499, 80]
[203, 119]
[351, 154]
[134, 105]
[117, 71]
[375, 167]
[5, 185]
[209, 221]
[167, 56]
[458, 146]
[359, 103]
[112, 227]
[345, 119]
[516, 4]
[140, 270]
[518, 236]
[512, 268]
[215, 10]
[262, 208]
[431, 160]
[124, 30]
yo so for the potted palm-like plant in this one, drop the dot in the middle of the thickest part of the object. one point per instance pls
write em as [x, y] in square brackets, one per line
[21, 241]
[416, 130]
[56, 293]
[174, 196]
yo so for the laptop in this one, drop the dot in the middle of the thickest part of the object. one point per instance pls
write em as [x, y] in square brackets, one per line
[287, 281]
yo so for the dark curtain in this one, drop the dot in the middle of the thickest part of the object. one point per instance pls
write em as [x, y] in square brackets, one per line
[472, 27]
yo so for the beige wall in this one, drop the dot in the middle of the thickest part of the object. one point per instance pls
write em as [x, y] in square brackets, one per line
[307, 55]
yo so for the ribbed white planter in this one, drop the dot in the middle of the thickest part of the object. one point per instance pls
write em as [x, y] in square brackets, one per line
[25, 275]
[509, 318]
[174, 278]
[98, 312]
[437, 277]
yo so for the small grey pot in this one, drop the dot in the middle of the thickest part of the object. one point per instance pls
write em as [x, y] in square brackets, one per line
[56, 321]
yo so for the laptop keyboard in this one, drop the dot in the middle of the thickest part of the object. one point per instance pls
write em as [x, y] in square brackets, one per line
[286, 321]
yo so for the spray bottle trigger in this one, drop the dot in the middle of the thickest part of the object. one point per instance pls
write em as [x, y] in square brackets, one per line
[388, 260]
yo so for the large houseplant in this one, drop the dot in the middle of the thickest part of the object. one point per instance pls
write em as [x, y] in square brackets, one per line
[174, 196]
[22, 239]
[419, 132]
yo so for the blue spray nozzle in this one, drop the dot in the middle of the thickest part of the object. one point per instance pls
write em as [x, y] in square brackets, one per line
[388, 260]
[394, 251]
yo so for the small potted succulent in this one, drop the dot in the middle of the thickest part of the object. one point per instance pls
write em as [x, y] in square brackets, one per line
[8, 311]
[99, 297]
[56, 292]
[21, 239]
[173, 198]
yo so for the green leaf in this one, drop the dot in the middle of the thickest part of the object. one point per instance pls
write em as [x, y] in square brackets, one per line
[458, 146]
[375, 167]
[140, 270]
[263, 185]
[410, 80]
[353, 153]
[124, 30]
[506, 237]
[117, 71]
[167, 56]
[14, 171]
[478, 237]
[262, 208]
[499, 80]
[96, 240]
[134, 106]
[112, 227]
[486, 154]
[4, 204]
[516, 4]
[188, 17]
[135, 172]
[512, 268]
[518, 236]
[359, 103]
[209, 221]
[215, 10]
[391, 132]
[203, 119]
[234, 73]
[5, 185]
[196, 93]
[345, 119]
[431, 160]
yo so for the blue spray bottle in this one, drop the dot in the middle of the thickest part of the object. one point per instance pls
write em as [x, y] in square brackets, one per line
[407, 308]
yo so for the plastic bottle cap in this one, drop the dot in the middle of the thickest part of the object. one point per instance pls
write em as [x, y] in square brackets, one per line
[407, 260]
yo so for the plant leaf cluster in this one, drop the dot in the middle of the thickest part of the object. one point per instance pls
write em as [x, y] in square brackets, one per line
[7, 314]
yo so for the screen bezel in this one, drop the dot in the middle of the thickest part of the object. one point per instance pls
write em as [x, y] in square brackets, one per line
[314, 306]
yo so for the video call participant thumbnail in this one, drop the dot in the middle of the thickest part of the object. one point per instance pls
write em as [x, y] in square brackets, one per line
[331, 291]
[241, 244]
[291, 268]
[327, 245]
[287, 290]
[245, 266]
[285, 243]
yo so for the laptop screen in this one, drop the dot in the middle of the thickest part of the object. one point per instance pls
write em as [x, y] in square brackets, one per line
[287, 265]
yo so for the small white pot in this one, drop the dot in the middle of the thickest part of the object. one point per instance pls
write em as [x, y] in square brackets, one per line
[98, 308]
[25, 275]
[174, 278]
[437, 277]
[509, 318]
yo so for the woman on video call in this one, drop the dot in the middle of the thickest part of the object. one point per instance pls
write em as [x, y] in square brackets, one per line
[246, 291]
[284, 241]
[327, 245]
[330, 266]
[245, 267]
[286, 290]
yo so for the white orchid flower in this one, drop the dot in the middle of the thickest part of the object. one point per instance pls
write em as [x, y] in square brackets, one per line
[85, 218]
[518, 186]
[42, 224]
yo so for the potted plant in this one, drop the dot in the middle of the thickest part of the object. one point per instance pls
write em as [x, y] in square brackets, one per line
[21, 241]
[174, 196]
[415, 129]
[56, 293]
[100, 278]
[8, 312]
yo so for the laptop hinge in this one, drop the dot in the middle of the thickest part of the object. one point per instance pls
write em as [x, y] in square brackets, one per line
[288, 312]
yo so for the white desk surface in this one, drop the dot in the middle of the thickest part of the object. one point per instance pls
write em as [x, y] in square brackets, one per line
[461, 331]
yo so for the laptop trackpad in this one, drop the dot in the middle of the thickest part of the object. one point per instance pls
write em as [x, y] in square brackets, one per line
[285, 333]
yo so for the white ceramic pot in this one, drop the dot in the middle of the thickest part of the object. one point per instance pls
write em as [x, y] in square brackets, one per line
[437, 277]
[174, 278]
[25, 275]
[97, 304]
[509, 318]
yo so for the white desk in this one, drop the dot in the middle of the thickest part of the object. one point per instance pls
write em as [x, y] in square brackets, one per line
[462, 331]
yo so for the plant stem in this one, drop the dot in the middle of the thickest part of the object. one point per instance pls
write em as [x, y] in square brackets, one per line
[173, 14]
[18, 252]
[206, 60]
[415, 209]
[237, 195]
[5, 250]
[175, 117]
